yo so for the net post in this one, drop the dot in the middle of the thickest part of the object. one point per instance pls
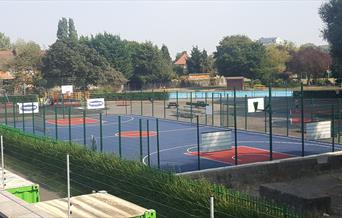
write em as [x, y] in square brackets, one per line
[44, 122]
[212, 109]
[69, 121]
[235, 130]
[141, 102]
[191, 112]
[302, 115]
[164, 98]
[198, 144]
[333, 128]
[119, 127]
[148, 142]
[32, 110]
[270, 119]
[101, 133]
[246, 111]
[14, 119]
[23, 115]
[84, 128]
[140, 140]
[6, 121]
[56, 124]
[158, 145]
[177, 104]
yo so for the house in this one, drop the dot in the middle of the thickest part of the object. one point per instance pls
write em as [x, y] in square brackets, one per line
[236, 82]
[271, 41]
[180, 63]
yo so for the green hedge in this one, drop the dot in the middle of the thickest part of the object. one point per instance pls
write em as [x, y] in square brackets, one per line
[169, 195]
[135, 96]
[19, 98]
[319, 93]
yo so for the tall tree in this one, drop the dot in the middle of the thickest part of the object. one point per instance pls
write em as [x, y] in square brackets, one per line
[5, 42]
[199, 62]
[72, 30]
[165, 52]
[331, 14]
[239, 56]
[310, 62]
[62, 31]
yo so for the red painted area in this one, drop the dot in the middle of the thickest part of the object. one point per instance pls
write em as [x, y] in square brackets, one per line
[136, 134]
[297, 120]
[245, 155]
[73, 121]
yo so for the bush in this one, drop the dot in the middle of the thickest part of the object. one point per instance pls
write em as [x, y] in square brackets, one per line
[19, 98]
[134, 96]
[170, 195]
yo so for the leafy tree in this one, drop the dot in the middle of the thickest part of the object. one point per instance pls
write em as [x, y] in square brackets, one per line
[116, 51]
[331, 14]
[72, 30]
[239, 56]
[62, 31]
[165, 52]
[5, 42]
[198, 61]
[310, 61]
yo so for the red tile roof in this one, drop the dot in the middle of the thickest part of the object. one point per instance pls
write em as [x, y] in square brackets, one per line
[6, 54]
[182, 59]
[6, 75]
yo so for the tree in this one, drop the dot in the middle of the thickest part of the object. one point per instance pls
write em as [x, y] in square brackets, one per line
[331, 14]
[5, 42]
[165, 52]
[310, 61]
[199, 62]
[116, 51]
[62, 31]
[239, 56]
[72, 30]
[71, 62]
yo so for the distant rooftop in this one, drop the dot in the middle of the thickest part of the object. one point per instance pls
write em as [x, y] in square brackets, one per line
[182, 59]
[271, 41]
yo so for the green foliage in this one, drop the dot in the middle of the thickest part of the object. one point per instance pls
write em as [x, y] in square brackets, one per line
[165, 51]
[5, 42]
[199, 61]
[331, 14]
[169, 195]
[62, 31]
[19, 98]
[135, 96]
[72, 30]
[115, 50]
[239, 56]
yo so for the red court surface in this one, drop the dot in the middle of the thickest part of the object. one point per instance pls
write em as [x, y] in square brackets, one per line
[135, 134]
[245, 155]
[73, 121]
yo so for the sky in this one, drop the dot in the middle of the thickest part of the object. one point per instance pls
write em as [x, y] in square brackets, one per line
[177, 24]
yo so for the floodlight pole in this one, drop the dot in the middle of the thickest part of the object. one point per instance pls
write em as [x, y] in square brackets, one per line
[68, 184]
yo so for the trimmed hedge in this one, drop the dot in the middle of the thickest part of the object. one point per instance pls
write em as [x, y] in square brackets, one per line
[169, 195]
[134, 96]
[319, 93]
[19, 98]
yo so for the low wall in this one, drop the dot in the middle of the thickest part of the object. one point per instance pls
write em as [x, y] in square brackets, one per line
[249, 176]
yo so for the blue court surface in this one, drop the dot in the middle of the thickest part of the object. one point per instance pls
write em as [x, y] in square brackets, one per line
[177, 140]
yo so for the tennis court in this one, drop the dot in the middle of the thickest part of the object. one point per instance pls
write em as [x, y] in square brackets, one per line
[138, 137]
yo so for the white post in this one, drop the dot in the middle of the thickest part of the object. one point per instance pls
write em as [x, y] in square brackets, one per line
[2, 164]
[68, 181]
[212, 207]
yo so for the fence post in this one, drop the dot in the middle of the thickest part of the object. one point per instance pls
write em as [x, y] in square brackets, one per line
[2, 163]
[177, 103]
[152, 102]
[302, 115]
[119, 123]
[6, 113]
[125, 96]
[164, 98]
[23, 116]
[235, 130]
[198, 144]
[212, 109]
[158, 145]
[227, 110]
[32, 110]
[191, 107]
[339, 120]
[221, 110]
[44, 122]
[246, 111]
[69, 118]
[101, 133]
[270, 119]
[148, 142]
[84, 128]
[141, 102]
[63, 109]
[140, 140]
[14, 119]
[287, 115]
[206, 102]
[56, 124]
[265, 113]
[333, 127]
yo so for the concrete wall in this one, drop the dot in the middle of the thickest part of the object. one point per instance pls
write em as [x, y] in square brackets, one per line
[249, 176]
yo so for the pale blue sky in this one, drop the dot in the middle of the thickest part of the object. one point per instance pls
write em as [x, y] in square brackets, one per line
[178, 24]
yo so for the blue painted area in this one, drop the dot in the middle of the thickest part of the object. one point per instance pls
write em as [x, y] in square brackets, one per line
[175, 140]
[251, 93]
